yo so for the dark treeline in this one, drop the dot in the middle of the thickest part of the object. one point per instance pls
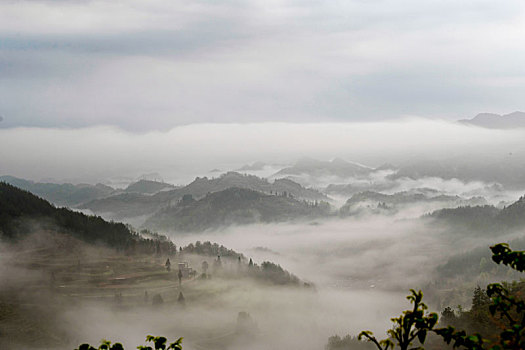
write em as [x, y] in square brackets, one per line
[22, 213]
[210, 249]
[228, 262]
[348, 342]
[484, 219]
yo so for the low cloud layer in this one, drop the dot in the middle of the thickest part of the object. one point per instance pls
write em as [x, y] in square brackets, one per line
[96, 154]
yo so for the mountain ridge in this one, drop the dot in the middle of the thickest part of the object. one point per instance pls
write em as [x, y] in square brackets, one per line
[233, 206]
[497, 121]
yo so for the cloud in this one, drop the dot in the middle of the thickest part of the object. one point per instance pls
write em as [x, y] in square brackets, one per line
[153, 65]
[94, 154]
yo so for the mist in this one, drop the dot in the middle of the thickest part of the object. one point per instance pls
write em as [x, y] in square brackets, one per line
[359, 268]
[258, 174]
[100, 153]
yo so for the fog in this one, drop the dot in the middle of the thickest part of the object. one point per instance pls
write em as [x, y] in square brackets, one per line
[285, 317]
[362, 268]
[382, 137]
[180, 154]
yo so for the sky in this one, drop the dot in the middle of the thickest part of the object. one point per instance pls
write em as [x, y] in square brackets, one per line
[144, 66]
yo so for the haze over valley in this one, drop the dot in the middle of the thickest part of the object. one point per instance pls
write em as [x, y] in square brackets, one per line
[320, 233]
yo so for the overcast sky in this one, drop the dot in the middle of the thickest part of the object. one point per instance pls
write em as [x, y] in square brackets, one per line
[152, 65]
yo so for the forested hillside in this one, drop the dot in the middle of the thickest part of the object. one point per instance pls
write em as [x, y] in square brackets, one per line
[233, 206]
[61, 194]
[133, 204]
[22, 213]
[484, 219]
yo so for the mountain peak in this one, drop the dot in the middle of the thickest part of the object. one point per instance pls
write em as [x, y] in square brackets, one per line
[496, 121]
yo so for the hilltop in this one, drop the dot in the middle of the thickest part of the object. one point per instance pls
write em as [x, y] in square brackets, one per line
[497, 121]
[61, 194]
[233, 206]
[391, 202]
[127, 205]
[148, 187]
[485, 219]
[317, 168]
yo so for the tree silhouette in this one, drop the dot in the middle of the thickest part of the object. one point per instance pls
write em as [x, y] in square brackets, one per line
[205, 266]
[159, 343]
[412, 325]
[505, 305]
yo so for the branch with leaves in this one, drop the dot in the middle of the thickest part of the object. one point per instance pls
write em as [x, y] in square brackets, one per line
[159, 343]
[412, 325]
[415, 324]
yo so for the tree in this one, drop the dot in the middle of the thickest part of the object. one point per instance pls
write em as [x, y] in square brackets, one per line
[181, 300]
[205, 266]
[448, 316]
[504, 305]
[412, 325]
[159, 343]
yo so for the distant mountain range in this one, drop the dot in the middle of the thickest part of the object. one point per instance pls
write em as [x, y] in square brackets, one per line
[148, 187]
[497, 121]
[318, 168]
[127, 205]
[253, 167]
[61, 194]
[485, 219]
[371, 201]
[233, 206]
[72, 195]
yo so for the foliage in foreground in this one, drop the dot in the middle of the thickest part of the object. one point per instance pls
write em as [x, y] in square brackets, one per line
[412, 326]
[159, 343]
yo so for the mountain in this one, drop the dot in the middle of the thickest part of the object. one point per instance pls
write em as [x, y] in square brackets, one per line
[357, 187]
[253, 167]
[128, 205]
[231, 207]
[148, 187]
[484, 219]
[61, 194]
[22, 213]
[201, 186]
[496, 121]
[266, 272]
[317, 168]
[392, 202]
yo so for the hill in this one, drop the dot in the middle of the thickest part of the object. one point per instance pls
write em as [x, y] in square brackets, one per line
[61, 194]
[148, 187]
[233, 206]
[484, 219]
[22, 213]
[496, 121]
[130, 205]
[373, 200]
[201, 186]
[317, 168]
[253, 167]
